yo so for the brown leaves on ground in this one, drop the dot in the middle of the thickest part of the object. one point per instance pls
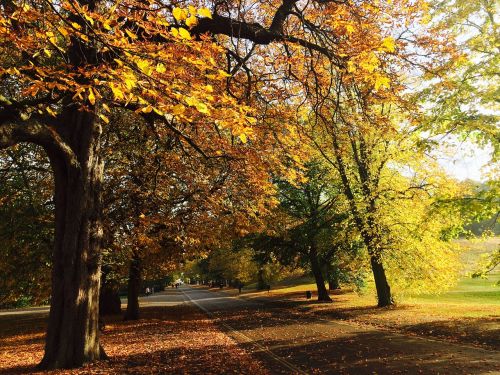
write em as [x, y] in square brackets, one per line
[174, 340]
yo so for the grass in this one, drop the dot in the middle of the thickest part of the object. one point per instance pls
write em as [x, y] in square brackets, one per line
[469, 290]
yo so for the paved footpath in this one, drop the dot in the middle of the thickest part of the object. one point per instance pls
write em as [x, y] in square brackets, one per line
[169, 297]
[289, 342]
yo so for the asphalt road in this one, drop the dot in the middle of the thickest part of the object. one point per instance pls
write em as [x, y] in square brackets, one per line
[289, 342]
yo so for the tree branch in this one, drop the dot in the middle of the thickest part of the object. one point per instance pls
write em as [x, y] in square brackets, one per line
[255, 32]
[36, 130]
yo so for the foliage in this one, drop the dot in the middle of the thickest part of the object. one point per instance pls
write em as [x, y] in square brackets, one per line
[487, 265]
[465, 96]
[25, 227]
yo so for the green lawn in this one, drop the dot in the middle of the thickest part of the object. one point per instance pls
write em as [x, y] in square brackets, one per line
[468, 298]
[469, 290]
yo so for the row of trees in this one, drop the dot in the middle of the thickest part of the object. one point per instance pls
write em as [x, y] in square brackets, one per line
[169, 130]
[313, 228]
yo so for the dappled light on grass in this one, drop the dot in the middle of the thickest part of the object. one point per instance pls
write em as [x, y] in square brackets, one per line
[176, 340]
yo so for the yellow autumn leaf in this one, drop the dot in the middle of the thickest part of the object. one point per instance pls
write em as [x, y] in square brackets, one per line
[91, 96]
[88, 18]
[76, 26]
[130, 34]
[160, 68]
[174, 32]
[191, 21]
[104, 118]
[388, 44]
[381, 82]
[130, 81]
[190, 101]
[205, 12]
[243, 138]
[147, 109]
[369, 62]
[50, 111]
[117, 92]
[106, 25]
[179, 14]
[184, 33]
[144, 66]
[106, 107]
[63, 31]
[202, 108]
[252, 120]
[224, 74]
[158, 112]
[178, 109]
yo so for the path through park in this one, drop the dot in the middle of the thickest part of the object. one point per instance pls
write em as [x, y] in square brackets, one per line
[287, 341]
[195, 330]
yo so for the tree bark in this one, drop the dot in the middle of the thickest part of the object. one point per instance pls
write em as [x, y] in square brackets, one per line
[318, 276]
[261, 283]
[109, 301]
[109, 297]
[73, 335]
[364, 221]
[134, 287]
[333, 281]
[383, 290]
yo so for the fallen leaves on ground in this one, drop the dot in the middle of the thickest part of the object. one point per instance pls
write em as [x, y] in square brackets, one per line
[174, 340]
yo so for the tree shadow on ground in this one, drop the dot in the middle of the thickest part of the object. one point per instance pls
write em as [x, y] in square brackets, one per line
[373, 353]
[478, 331]
[484, 331]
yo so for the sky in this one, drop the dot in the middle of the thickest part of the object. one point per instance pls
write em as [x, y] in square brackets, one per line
[465, 160]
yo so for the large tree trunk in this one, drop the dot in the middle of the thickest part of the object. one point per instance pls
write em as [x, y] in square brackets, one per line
[318, 276]
[73, 335]
[134, 287]
[383, 290]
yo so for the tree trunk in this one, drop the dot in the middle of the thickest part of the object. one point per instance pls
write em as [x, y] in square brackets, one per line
[72, 334]
[383, 290]
[333, 281]
[261, 283]
[134, 287]
[333, 277]
[109, 301]
[318, 276]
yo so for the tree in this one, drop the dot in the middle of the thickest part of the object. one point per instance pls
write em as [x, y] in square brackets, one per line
[313, 208]
[56, 89]
[395, 200]
[25, 227]
[66, 64]
[464, 97]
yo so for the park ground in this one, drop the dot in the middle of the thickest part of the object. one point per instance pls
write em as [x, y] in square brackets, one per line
[201, 331]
